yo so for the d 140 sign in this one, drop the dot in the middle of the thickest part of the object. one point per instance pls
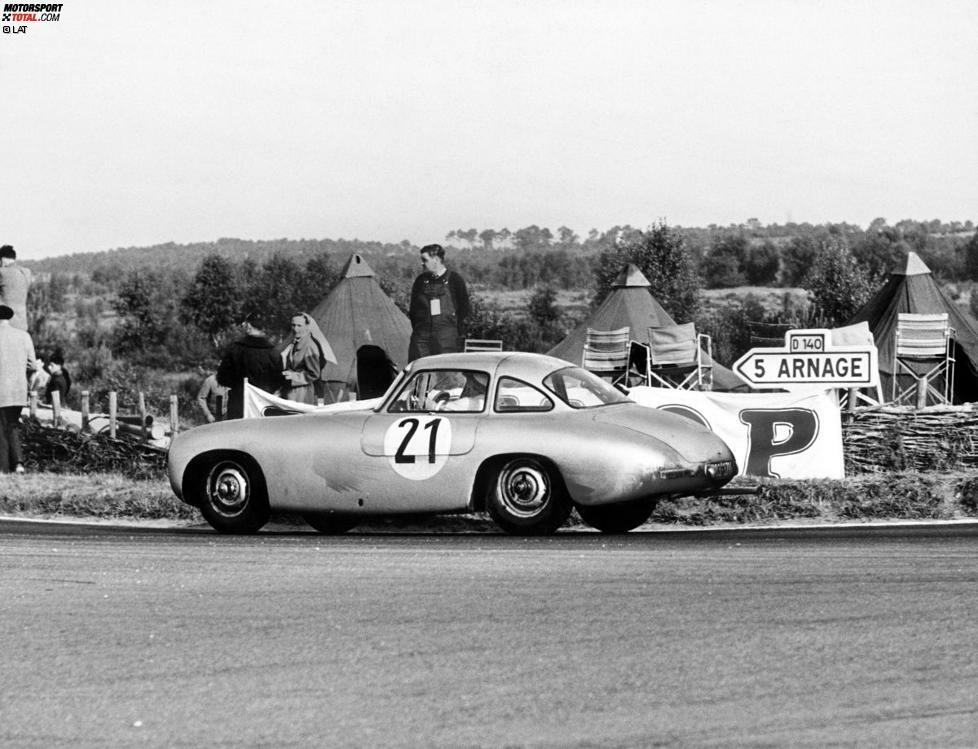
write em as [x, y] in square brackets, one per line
[809, 358]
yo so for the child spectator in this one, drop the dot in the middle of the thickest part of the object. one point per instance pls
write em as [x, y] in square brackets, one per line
[60, 379]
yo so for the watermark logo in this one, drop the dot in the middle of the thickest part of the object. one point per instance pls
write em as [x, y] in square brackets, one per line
[18, 18]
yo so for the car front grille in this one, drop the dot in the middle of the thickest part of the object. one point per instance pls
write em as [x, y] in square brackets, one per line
[676, 473]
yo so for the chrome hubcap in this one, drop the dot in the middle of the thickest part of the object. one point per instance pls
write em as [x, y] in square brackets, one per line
[525, 489]
[227, 489]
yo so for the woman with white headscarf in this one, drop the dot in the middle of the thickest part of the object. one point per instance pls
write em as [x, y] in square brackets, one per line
[304, 360]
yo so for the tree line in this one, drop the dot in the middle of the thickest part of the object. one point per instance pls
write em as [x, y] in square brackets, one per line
[172, 316]
[747, 253]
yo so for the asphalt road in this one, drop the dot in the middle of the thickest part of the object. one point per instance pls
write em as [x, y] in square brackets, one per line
[863, 637]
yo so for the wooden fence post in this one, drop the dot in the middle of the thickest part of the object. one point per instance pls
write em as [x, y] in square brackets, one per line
[85, 411]
[922, 392]
[56, 408]
[174, 415]
[142, 414]
[113, 408]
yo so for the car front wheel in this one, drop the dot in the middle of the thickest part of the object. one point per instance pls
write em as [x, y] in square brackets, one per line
[233, 498]
[616, 518]
[528, 498]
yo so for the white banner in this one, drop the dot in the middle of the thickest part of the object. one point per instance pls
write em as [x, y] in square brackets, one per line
[780, 435]
[258, 403]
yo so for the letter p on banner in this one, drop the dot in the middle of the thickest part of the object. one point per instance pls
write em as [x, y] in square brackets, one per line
[775, 432]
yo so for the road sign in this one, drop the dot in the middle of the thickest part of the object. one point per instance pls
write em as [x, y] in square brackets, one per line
[809, 358]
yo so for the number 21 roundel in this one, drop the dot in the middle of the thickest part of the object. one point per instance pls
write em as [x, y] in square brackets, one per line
[418, 446]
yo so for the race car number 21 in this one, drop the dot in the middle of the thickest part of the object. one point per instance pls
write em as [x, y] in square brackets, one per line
[418, 446]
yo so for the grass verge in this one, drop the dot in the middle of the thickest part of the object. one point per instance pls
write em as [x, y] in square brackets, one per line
[898, 496]
[90, 495]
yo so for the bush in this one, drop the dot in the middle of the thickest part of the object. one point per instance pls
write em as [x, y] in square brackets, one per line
[663, 257]
[910, 496]
[906, 496]
[838, 284]
[967, 495]
[66, 451]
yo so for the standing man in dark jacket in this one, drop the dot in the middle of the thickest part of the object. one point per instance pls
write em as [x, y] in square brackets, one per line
[439, 307]
[252, 356]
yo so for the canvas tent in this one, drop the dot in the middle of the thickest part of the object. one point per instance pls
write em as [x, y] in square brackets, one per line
[631, 303]
[913, 289]
[362, 324]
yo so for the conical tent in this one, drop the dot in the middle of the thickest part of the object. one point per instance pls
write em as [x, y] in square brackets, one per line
[358, 313]
[913, 289]
[631, 303]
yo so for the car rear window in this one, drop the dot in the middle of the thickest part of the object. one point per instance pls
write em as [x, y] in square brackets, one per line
[516, 396]
[579, 388]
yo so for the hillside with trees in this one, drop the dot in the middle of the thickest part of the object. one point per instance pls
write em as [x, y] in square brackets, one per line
[134, 316]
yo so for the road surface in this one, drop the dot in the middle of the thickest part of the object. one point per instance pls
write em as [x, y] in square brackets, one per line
[129, 637]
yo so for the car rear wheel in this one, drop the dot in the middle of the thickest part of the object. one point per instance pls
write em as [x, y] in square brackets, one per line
[616, 518]
[233, 498]
[528, 498]
[330, 523]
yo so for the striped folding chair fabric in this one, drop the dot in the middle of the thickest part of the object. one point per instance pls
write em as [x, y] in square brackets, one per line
[606, 352]
[677, 360]
[481, 344]
[923, 351]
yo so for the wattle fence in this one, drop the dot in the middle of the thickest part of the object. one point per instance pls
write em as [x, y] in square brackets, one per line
[885, 439]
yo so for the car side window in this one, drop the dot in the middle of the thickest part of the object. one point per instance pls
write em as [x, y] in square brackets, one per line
[515, 396]
[458, 391]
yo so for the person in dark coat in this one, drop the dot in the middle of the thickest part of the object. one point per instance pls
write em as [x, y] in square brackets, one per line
[253, 357]
[59, 381]
[439, 307]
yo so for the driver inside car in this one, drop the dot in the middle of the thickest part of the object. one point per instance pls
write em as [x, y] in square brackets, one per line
[472, 398]
[458, 392]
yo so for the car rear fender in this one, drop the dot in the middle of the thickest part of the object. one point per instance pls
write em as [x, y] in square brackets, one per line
[486, 474]
[193, 475]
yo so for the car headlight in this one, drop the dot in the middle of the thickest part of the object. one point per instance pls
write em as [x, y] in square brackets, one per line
[721, 469]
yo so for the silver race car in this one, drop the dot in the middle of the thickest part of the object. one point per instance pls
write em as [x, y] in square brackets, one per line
[524, 437]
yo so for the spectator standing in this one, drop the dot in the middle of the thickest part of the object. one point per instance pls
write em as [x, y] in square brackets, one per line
[253, 357]
[305, 359]
[16, 360]
[59, 380]
[15, 282]
[212, 399]
[439, 306]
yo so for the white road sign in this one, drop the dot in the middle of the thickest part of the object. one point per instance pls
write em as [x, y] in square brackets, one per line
[809, 358]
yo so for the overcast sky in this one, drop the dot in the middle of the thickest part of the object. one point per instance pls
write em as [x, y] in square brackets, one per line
[140, 122]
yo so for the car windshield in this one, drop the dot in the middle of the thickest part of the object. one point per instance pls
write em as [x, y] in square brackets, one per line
[443, 390]
[579, 388]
